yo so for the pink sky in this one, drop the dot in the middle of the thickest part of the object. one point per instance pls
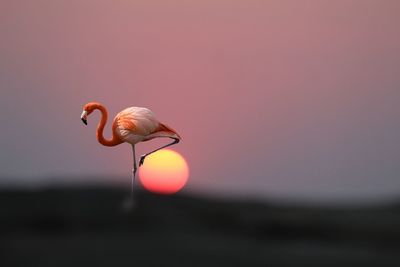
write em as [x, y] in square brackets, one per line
[272, 98]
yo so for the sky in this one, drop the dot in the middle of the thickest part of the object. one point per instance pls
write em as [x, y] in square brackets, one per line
[273, 99]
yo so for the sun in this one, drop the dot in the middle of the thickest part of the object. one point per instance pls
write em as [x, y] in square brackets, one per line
[164, 172]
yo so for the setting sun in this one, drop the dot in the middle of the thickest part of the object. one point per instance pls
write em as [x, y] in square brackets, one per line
[165, 172]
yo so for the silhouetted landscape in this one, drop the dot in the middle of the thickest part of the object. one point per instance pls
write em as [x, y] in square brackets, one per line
[88, 227]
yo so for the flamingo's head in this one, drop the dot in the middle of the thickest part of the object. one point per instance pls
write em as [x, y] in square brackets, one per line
[84, 117]
[87, 109]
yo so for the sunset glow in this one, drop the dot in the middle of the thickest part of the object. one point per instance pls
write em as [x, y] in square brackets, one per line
[165, 172]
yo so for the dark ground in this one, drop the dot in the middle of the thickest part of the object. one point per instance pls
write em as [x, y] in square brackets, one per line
[86, 227]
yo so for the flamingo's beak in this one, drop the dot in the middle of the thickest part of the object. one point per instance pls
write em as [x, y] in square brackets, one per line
[84, 117]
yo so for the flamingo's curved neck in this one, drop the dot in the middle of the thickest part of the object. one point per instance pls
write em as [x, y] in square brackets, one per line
[115, 140]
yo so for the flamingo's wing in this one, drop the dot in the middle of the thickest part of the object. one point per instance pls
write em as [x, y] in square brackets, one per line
[135, 123]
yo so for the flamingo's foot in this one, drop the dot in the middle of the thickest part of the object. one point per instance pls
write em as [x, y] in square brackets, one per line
[128, 205]
[141, 161]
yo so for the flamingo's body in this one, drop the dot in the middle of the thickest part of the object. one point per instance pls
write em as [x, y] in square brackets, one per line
[134, 125]
[131, 125]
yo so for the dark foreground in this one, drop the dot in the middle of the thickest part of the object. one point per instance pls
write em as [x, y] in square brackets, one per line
[87, 227]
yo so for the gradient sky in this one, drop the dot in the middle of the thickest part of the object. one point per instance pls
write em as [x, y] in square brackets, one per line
[273, 99]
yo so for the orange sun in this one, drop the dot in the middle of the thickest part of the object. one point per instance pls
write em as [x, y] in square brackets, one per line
[164, 171]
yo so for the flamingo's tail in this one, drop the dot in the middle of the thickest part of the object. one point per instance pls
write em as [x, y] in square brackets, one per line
[164, 128]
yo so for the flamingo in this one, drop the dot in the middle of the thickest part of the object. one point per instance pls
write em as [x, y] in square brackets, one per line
[132, 125]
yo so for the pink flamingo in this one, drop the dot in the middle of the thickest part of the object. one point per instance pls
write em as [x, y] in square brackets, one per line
[131, 125]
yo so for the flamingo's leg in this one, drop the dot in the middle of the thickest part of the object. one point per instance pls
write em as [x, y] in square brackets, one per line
[176, 140]
[133, 170]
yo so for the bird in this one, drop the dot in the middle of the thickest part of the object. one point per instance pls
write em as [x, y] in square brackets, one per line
[132, 125]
